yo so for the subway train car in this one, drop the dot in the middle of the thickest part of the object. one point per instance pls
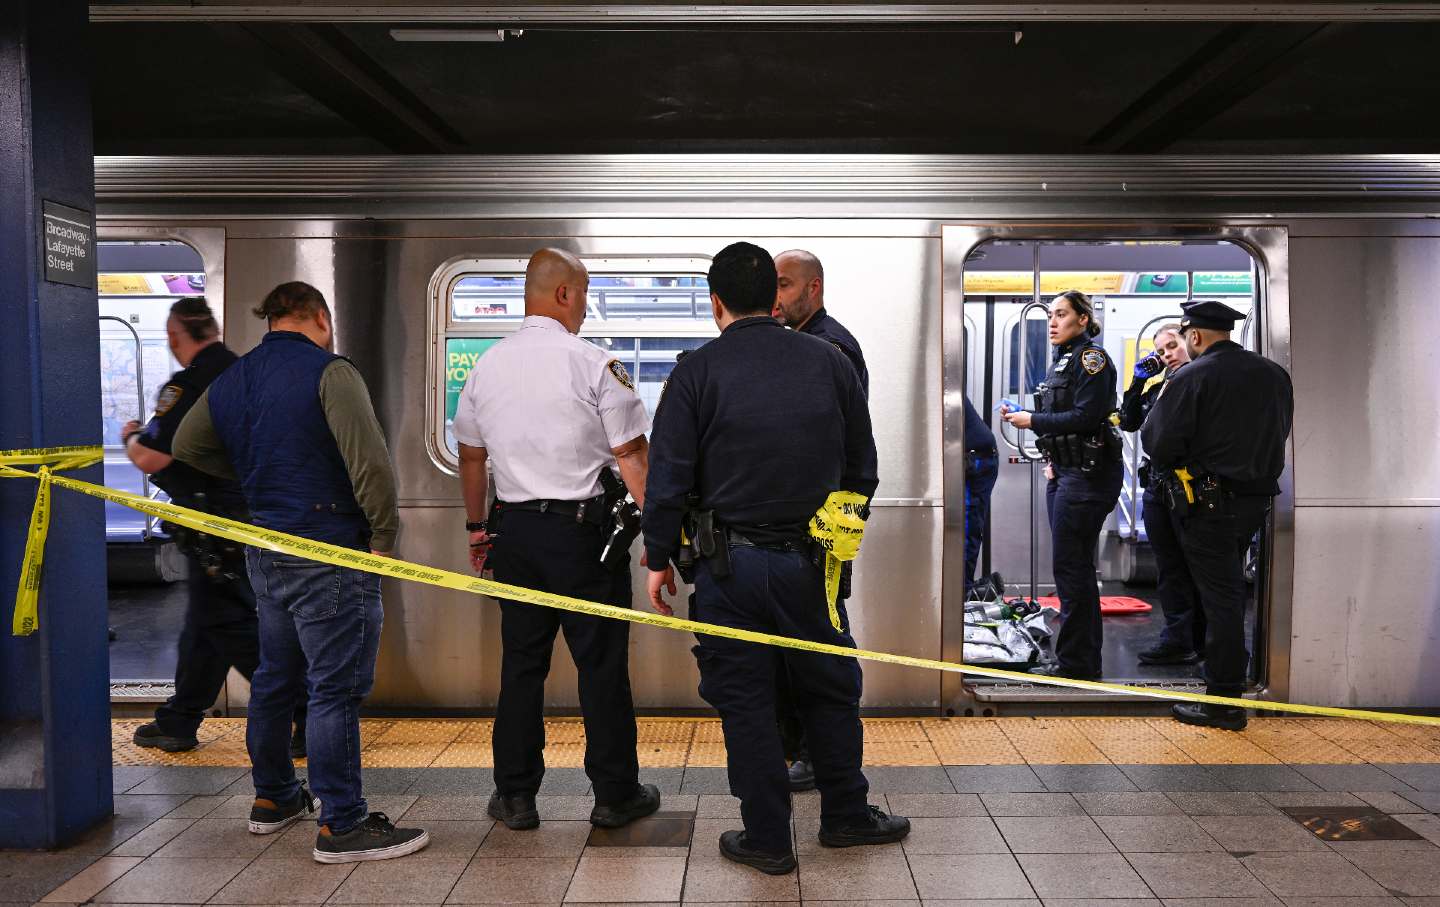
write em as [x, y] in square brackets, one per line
[941, 267]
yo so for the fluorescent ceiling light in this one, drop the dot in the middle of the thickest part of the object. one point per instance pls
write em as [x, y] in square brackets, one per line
[485, 35]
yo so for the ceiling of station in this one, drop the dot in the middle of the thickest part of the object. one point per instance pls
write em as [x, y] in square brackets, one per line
[167, 87]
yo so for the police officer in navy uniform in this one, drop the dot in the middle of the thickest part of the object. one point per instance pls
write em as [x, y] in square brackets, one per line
[982, 468]
[1073, 428]
[220, 630]
[556, 417]
[800, 305]
[762, 426]
[1223, 420]
[1182, 637]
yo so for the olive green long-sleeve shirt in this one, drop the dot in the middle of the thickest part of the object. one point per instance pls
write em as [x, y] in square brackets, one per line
[351, 417]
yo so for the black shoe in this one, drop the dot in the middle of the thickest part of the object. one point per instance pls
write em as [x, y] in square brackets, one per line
[802, 775]
[734, 848]
[877, 828]
[152, 736]
[1167, 655]
[517, 811]
[374, 839]
[268, 817]
[1056, 670]
[297, 744]
[1227, 718]
[617, 815]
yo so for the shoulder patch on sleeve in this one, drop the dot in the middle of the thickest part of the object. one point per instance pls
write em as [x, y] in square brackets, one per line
[1093, 361]
[618, 370]
[170, 395]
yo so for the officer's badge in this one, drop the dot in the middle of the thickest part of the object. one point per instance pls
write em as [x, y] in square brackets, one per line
[1093, 361]
[620, 374]
[169, 396]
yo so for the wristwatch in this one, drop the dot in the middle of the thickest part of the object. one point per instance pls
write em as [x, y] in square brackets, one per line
[475, 526]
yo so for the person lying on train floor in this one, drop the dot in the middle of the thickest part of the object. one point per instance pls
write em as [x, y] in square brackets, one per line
[1182, 636]
[294, 422]
[221, 629]
[556, 416]
[800, 304]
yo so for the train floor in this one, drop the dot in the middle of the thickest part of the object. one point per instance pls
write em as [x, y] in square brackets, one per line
[1079, 812]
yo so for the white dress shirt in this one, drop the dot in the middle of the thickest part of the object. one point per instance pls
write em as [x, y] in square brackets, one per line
[548, 407]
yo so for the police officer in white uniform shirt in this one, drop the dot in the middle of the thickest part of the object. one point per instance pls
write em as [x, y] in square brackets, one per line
[553, 414]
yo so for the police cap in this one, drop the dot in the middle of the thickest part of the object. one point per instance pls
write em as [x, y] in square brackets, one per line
[1209, 314]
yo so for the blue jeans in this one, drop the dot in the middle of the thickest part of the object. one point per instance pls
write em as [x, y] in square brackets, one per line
[328, 618]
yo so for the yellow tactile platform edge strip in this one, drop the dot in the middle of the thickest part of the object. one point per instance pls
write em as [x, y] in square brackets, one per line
[670, 742]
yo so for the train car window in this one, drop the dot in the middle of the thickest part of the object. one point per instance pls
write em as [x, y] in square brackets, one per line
[644, 312]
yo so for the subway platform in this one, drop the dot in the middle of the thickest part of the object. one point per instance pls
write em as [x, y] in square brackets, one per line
[1080, 812]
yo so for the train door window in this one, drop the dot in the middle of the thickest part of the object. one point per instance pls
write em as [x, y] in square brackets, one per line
[137, 283]
[1136, 288]
[644, 312]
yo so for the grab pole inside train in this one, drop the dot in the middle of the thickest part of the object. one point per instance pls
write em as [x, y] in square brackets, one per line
[55, 779]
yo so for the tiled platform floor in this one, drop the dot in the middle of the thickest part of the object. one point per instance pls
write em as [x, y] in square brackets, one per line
[1075, 817]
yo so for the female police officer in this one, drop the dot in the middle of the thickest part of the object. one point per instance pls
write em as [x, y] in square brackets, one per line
[1073, 429]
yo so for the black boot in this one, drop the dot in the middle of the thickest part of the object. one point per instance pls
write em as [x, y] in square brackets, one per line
[802, 775]
[645, 801]
[1167, 655]
[734, 847]
[876, 828]
[517, 811]
[1202, 714]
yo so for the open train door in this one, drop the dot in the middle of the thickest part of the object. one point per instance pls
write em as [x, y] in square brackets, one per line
[998, 279]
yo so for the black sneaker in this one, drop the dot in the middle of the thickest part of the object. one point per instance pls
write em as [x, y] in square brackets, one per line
[877, 828]
[268, 817]
[374, 839]
[733, 847]
[152, 736]
[802, 775]
[297, 744]
[617, 815]
[1167, 655]
[1055, 670]
[517, 811]
[1226, 718]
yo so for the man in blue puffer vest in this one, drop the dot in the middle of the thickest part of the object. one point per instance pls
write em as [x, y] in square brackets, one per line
[293, 423]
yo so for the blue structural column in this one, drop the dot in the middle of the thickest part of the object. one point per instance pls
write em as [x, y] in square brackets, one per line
[55, 777]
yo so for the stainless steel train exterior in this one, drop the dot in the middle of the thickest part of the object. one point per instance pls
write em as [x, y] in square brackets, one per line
[1347, 252]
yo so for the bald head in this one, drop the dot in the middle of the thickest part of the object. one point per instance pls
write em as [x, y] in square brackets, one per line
[556, 283]
[800, 287]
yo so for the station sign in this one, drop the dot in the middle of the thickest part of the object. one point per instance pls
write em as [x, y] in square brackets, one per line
[69, 241]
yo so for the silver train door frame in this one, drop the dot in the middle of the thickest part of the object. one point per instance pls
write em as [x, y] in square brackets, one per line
[1269, 247]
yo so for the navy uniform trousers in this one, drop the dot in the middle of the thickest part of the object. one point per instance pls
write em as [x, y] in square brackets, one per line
[221, 631]
[981, 471]
[1215, 549]
[554, 553]
[1078, 506]
[1184, 629]
[781, 592]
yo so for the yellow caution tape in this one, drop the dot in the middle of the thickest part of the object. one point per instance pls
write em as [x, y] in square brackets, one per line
[27, 594]
[839, 529]
[282, 542]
